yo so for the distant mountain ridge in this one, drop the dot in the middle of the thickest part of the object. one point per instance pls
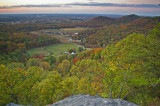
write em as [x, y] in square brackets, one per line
[129, 18]
[101, 21]
[102, 18]
[106, 30]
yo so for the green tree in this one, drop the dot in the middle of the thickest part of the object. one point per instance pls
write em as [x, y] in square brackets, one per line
[156, 31]
[15, 65]
[11, 84]
[64, 67]
[33, 62]
[50, 59]
[33, 76]
[88, 72]
[135, 62]
[53, 88]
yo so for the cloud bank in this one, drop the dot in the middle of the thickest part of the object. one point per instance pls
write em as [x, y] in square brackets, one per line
[115, 5]
[29, 6]
[86, 4]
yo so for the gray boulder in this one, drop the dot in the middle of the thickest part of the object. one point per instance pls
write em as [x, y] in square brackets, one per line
[12, 104]
[88, 100]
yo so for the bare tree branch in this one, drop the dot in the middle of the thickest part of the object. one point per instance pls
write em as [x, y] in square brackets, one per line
[120, 91]
[127, 95]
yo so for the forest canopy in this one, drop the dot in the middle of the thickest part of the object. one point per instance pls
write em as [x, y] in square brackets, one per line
[128, 70]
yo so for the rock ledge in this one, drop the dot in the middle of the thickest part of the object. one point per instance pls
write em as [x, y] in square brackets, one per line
[88, 100]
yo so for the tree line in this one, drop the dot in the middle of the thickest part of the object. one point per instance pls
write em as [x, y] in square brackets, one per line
[13, 46]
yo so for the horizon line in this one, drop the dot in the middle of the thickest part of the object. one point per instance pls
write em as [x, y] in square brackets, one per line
[72, 14]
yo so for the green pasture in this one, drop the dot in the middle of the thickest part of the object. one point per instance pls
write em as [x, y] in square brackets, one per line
[55, 50]
[73, 29]
[70, 30]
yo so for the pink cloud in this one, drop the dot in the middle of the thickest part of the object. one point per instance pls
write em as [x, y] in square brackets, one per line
[83, 9]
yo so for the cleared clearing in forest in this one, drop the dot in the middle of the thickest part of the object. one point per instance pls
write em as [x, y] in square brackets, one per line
[55, 50]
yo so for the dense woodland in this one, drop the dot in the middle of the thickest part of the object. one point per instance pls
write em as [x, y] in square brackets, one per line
[126, 66]
[13, 46]
[110, 30]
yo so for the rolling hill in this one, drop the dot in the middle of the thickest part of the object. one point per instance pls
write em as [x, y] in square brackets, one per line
[110, 30]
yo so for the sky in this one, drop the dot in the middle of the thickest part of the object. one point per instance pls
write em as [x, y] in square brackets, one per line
[121, 7]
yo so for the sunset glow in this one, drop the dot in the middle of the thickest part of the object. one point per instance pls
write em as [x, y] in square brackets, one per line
[143, 7]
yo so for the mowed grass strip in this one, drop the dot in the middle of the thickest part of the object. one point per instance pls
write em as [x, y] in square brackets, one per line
[54, 50]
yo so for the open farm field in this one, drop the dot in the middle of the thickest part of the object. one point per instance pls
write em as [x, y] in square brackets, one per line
[55, 49]
[60, 31]
[74, 29]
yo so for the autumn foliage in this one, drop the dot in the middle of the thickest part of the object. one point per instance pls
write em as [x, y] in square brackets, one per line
[126, 69]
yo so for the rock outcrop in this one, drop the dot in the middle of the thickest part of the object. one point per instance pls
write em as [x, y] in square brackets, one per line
[12, 104]
[88, 100]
